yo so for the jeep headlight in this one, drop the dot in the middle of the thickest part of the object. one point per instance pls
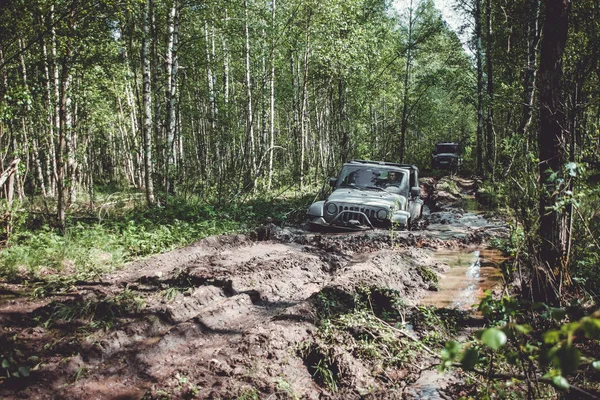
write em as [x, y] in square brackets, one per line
[331, 208]
[382, 214]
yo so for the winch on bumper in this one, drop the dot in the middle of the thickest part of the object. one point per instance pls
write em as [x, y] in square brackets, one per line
[340, 216]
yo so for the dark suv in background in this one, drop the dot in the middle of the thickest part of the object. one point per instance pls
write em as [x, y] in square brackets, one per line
[446, 155]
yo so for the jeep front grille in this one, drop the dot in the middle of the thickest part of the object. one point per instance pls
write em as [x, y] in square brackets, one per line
[357, 213]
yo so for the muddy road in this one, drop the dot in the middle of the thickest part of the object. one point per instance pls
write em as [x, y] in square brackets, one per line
[277, 314]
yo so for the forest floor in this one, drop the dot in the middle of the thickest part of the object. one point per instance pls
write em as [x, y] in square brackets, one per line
[281, 313]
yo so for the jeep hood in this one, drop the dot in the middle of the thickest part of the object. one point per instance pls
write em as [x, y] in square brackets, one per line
[367, 197]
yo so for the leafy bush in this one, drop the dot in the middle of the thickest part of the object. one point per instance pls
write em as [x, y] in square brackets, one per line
[560, 353]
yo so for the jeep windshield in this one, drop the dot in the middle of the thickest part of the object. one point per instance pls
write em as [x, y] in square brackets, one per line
[373, 177]
[446, 148]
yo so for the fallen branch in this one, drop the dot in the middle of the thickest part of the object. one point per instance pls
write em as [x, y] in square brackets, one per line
[407, 335]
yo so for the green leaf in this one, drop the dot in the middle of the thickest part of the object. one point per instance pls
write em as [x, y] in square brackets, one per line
[591, 327]
[569, 359]
[570, 327]
[525, 328]
[558, 313]
[512, 357]
[596, 365]
[24, 371]
[450, 350]
[551, 337]
[572, 168]
[5, 363]
[560, 382]
[494, 338]
[469, 359]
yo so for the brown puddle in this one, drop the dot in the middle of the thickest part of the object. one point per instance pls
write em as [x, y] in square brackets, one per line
[471, 273]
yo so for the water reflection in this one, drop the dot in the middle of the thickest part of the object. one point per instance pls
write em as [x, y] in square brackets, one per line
[471, 273]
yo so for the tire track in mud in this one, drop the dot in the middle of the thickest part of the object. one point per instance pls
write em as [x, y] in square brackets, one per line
[239, 311]
[258, 313]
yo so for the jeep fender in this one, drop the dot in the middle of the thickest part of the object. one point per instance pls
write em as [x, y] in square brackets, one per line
[316, 209]
[401, 218]
[416, 209]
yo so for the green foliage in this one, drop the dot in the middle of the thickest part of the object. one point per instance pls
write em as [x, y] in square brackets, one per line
[16, 365]
[374, 325]
[101, 313]
[86, 250]
[249, 394]
[449, 185]
[321, 363]
[493, 338]
[488, 195]
[436, 324]
[331, 302]
[322, 372]
[513, 244]
[428, 275]
[559, 351]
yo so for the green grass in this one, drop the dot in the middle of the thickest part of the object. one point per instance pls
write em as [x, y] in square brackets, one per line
[122, 229]
[449, 186]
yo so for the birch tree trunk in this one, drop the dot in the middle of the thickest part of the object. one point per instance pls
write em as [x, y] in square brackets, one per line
[56, 103]
[147, 105]
[404, 122]
[35, 154]
[64, 118]
[529, 78]
[272, 97]
[294, 129]
[304, 96]
[49, 139]
[250, 120]
[71, 145]
[171, 96]
[209, 35]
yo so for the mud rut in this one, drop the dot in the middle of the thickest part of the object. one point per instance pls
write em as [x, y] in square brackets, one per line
[225, 317]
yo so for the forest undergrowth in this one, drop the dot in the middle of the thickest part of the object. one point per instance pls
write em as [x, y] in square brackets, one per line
[119, 228]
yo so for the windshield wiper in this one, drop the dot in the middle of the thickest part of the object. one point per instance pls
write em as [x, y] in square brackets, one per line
[352, 186]
[376, 188]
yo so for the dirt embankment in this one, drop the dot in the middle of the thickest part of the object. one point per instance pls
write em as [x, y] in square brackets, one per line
[230, 317]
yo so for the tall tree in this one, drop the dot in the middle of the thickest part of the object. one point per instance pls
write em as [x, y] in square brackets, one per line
[478, 58]
[490, 136]
[65, 118]
[147, 103]
[251, 144]
[272, 96]
[171, 66]
[552, 138]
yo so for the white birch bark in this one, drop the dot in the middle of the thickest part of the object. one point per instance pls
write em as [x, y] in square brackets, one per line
[249, 120]
[147, 106]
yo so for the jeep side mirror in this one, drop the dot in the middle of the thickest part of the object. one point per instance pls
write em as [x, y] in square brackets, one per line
[332, 182]
[415, 191]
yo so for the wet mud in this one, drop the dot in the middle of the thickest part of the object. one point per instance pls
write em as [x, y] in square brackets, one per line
[238, 316]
